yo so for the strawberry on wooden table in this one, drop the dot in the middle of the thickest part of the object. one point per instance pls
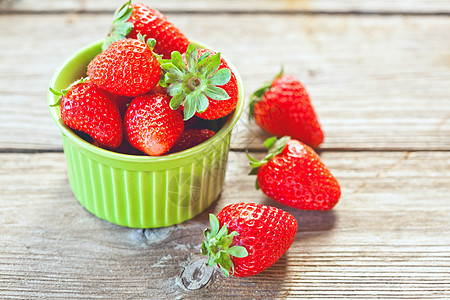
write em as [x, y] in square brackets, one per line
[201, 82]
[87, 108]
[137, 18]
[151, 125]
[259, 236]
[127, 67]
[283, 107]
[293, 174]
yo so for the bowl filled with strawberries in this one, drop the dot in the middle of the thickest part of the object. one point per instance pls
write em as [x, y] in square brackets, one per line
[146, 118]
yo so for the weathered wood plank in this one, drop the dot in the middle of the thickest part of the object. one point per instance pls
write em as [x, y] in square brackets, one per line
[384, 239]
[235, 6]
[376, 82]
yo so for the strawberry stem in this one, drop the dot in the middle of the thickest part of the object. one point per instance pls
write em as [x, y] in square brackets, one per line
[120, 28]
[274, 146]
[218, 246]
[63, 92]
[194, 82]
[259, 93]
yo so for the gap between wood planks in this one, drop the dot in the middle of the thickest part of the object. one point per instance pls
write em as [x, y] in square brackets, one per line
[238, 150]
[237, 12]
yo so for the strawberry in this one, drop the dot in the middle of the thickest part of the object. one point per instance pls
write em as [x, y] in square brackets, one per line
[190, 138]
[191, 123]
[85, 107]
[127, 67]
[293, 174]
[122, 103]
[259, 236]
[283, 107]
[151, 125]
[193, 82]
[133, 19]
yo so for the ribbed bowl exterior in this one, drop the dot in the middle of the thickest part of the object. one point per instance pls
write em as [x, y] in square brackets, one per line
[147, 199]
[141, 191]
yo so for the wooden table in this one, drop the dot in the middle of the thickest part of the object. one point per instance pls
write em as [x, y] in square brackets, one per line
[378, 73]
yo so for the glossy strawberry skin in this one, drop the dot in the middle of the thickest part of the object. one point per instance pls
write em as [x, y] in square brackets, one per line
[221, 108]
[93, 111]
[298, 178]
[266, 232]
[286, 109]
[127, 67]
[153, 24]
[151, 125]
[190, 138]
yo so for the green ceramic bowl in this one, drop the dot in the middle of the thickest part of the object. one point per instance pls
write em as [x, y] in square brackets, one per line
[141, 191]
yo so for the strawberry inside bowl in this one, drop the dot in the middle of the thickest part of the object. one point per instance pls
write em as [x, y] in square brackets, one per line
[142, 191]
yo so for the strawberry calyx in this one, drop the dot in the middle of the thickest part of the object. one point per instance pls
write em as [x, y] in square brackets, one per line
[217, 246]
[64, 92]
[120, 28]
[259, 93]
[191, 84]
[274, 146]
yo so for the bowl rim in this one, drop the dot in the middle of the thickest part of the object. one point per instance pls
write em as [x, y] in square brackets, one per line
[65, 130]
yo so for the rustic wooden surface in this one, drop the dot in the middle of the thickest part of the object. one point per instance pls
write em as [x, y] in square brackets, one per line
[378, 73]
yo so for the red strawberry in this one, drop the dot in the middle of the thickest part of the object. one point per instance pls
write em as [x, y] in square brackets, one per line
[293, 174]
[122, 103]
[194, 80]
[133, 19]
[259, 236]
[283, 107]
[86, 108]
[126, 67]
[191, 123]
[151, 125]
[190, 138]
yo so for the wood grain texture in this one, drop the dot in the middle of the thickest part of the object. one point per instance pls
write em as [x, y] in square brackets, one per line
[378, 75]
[236, 6]
[385, 238]
[377, 82]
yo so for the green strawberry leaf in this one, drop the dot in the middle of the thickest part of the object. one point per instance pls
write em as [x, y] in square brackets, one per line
[177, 61]
[175, 89]
[176, 101]
[120, 28]
[170, 68]
[215, 225]
[221, 77]
[203, 59]
[196, 80]
[222, 232]
[238, 251]
[259, 93]
[212, 64]
[218, 247]
[171, 79]
[123, 13]
[64, 92]
[125, 27]
[191, 57]
[216, 93]
[189, 107]
[162, 82]
[274, 147]
[202, 103]
[55, 92]
[270, 142]
[151, 43]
